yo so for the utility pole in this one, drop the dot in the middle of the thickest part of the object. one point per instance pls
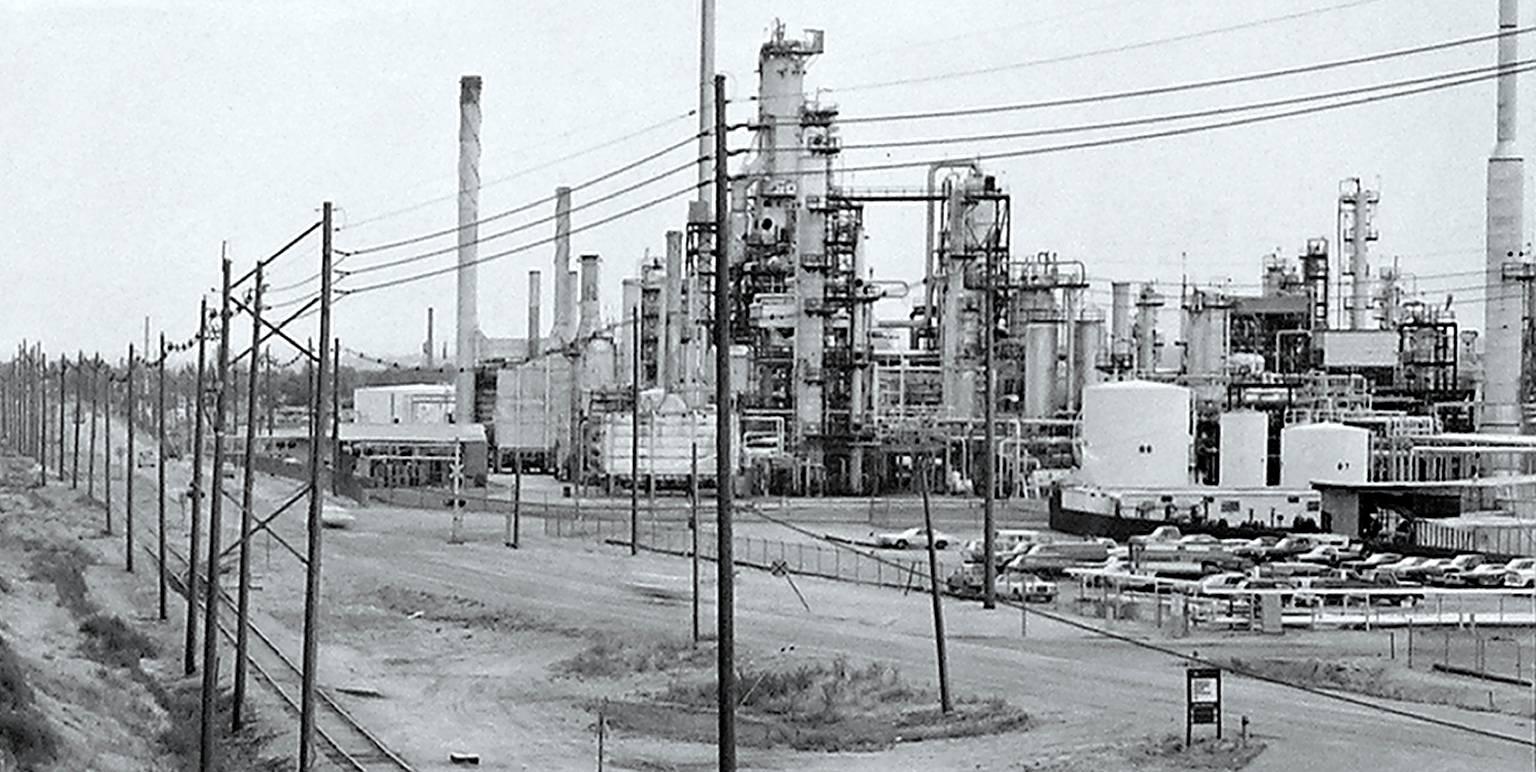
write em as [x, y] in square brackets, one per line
[128, 475]
[197, 489]
[336, 422]
[106, 444]
[90, 454]
[243, 601]
[945, 704]
[693, 524]
[989, 438]
[517, 498]
[42, 418]
[208, 747]
[725, 565]
[63, 400]
[160, 475]
[312, 564]
[634, 437]
[74, 470]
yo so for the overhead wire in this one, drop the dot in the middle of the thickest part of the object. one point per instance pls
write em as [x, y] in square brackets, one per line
[603, 145]
[397, 262]
[607, 175]
[1184, 37]
[1166, 117]
[1182, 131]
[1186, 86]
[521, 248]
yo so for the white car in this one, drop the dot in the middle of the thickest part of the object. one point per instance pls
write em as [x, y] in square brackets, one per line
[333, 516]
[912, 537]
[1520, 573]
[1202, 539]
[1026, 587]
[1230, 580]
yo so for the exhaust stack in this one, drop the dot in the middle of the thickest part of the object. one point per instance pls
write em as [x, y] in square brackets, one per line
[468, 330]
[1505, 381]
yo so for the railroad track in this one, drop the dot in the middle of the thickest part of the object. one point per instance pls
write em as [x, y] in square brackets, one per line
[345, 741]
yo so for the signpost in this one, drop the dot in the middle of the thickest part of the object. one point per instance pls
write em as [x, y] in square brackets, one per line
[1202, 688]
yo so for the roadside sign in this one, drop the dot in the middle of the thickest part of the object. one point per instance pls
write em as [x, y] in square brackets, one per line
[1202, 688]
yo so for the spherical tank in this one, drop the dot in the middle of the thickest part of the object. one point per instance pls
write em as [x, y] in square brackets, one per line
[1136, 434]
[1323, 452]
[1244, 449]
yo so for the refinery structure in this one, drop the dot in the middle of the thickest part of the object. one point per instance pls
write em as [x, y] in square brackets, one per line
[839, 374]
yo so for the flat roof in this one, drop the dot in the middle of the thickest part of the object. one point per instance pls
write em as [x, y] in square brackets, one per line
[1427, 486]
[403, 433]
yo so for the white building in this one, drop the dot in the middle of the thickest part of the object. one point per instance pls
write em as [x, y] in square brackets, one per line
[411, 403]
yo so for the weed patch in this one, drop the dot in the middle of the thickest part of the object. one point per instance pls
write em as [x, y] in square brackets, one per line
[822, 706]
[611, 656]
[64, 567]
[111, 641]
[237, 751]
[25, 735]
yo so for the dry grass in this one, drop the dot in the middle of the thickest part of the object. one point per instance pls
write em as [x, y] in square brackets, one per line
[25, 736]
[238, 751]
[821, 706]
[612, 656]
[110, 641]
[64, 567]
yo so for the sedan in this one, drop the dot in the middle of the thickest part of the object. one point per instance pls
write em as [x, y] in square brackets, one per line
[1026, 587]
[1520, 573]
[1483, 575]
[1376, 560]
[1461, 564]
[911, 537]
[1322, 554]
[1426, 570]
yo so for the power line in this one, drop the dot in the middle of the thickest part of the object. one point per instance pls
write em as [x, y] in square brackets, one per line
[610, 174]
[523, 227]
[523, 248]
[529, 170]
[1181, 87]
[1164, 118]
[1132, 138]
[1101, 51]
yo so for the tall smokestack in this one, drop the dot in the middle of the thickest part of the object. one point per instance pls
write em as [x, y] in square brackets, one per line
[565, 289]
[1120, 345]
[671, 358]
[590, 264]
[468, 325]
[706, 102]
[427, 348]
[534, 299]
[626, 334]
[1503, 376]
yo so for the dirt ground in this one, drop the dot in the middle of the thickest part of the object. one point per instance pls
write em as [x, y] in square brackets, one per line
[442, 647]
[103, 673]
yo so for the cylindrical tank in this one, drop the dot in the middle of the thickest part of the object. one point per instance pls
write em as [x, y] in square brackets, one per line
[590, 281]
[1039, 369]
[1120, 320]
[1145, 330]
[1323, 452]
[1089, 333]
[1244, 449]
[1205, 345]
[1136, 434]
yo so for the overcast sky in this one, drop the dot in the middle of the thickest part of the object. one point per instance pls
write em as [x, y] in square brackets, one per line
[135, 136]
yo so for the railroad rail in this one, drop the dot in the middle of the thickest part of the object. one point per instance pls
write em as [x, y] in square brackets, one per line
[346, 742]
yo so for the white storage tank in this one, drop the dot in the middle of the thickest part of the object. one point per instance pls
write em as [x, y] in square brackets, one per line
[1136, 434]
[1323, 452]
[1244, 449]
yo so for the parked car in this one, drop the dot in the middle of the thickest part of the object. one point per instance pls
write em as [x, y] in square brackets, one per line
[1199, 538]
[912, 537]
[1520, 572]
[1397, 568]
[1025, 586]
[1324, 554]
[1376, 560]
[1056, 557]
[1227, 580]
[1290, 569]
[1424, 570]
[1483, 575]
[1289, 547]
[1452, 572]
[1270, 583]
[334, 516]
[1256, 547]
[1352, 583]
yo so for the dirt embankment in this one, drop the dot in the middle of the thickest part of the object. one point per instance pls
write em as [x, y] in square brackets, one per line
[77, 651]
